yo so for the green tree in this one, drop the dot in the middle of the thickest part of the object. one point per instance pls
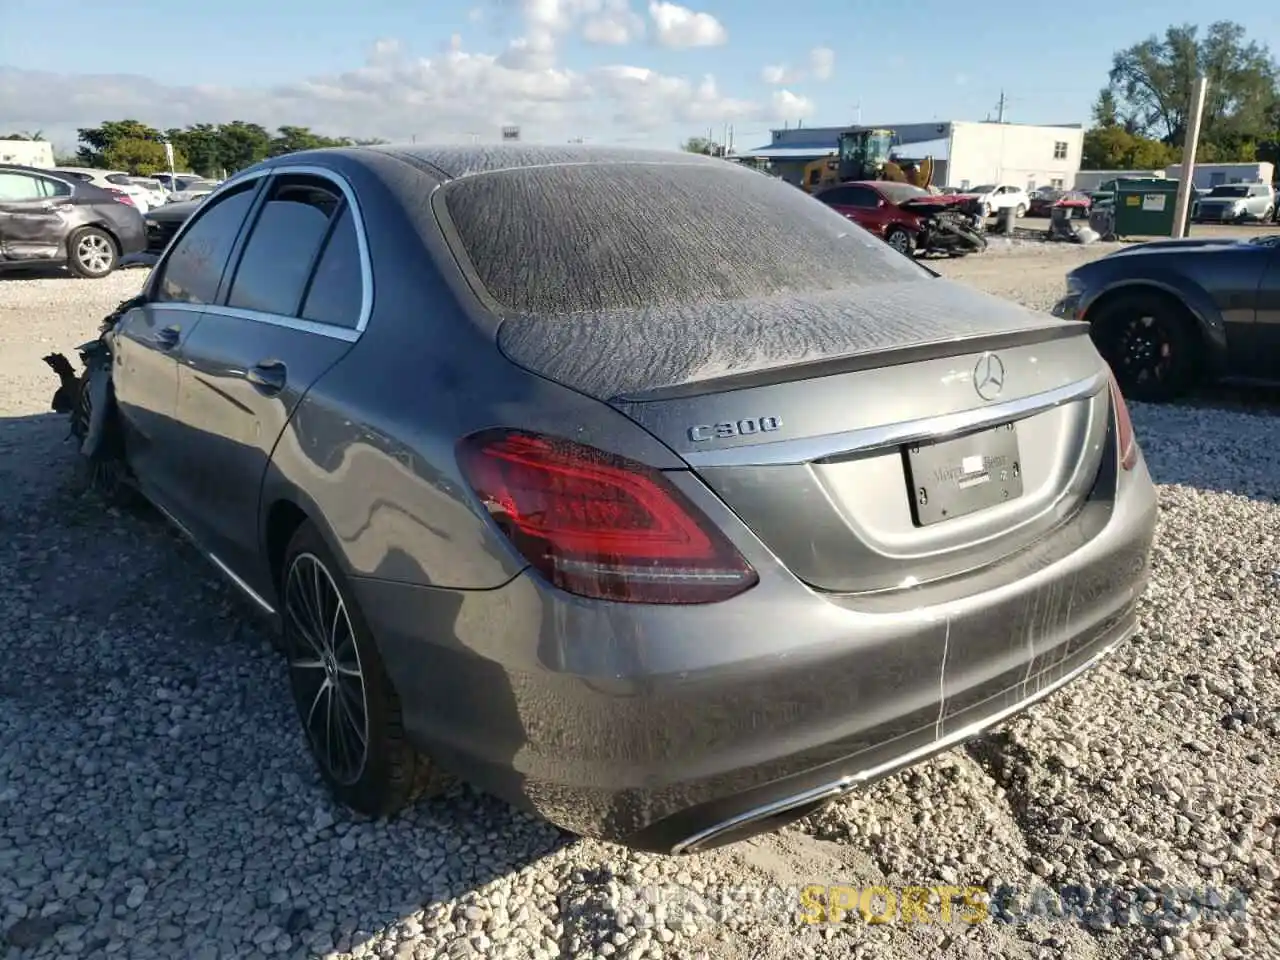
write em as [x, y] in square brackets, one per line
[242, 144]
[141, 157]
[1151, 82]
[95, 141]
[701, 145]
[24, 135]
[1114, 148]
[200, 145]
[293, 139]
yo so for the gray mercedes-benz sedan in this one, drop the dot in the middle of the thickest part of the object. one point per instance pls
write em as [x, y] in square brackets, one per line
[639, 489]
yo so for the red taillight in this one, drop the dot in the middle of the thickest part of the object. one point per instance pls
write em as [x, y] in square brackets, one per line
[1128, 443]
[600, 525]
[122, 197]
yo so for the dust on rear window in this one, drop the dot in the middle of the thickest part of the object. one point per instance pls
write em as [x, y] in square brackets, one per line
[564, 239]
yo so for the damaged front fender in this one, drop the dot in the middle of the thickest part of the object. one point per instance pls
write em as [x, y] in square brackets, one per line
[88, 397]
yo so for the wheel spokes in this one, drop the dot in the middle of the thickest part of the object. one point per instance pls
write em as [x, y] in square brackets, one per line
[325, 669]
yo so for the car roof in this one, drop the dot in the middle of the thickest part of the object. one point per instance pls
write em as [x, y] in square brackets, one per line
[455, 162]
[43, 171]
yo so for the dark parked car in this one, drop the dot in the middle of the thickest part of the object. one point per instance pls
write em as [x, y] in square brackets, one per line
[1171, 314]
[48, 218]
[669, 520]
[163, 222]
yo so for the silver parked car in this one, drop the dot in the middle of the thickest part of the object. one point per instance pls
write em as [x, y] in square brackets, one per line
[1236, 202]
[641, 490]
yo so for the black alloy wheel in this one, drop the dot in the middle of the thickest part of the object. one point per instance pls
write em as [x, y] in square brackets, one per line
[1150, 343]
[325, 670]
[349, 708]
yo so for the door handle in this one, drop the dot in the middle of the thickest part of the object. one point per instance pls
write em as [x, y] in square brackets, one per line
[268, 376]
[167, 338]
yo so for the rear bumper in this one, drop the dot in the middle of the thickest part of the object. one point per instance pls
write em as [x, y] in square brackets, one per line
[132, 235]
[159, 233]
[670, 729]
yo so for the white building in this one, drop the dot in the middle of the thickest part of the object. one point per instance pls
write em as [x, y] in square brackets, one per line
[28, 153]
[965, 153]
[1206, 176]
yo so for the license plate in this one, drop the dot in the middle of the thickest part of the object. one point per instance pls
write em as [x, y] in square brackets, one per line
[952, 478]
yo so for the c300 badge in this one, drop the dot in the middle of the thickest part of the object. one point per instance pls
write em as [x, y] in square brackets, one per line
[729, 429]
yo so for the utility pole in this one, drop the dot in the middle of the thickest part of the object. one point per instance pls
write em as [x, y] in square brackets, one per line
[1194, 113]
[1000, 108]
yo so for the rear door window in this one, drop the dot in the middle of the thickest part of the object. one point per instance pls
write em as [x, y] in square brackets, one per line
[193, 270]
[336, 293]
[282, 249]
[567, 238]
[53, 188]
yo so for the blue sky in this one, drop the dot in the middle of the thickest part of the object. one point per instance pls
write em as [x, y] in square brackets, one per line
[359, 68]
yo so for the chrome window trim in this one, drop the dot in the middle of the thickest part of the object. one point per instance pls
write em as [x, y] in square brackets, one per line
[781, 452]
[349, 334]
[275, 320]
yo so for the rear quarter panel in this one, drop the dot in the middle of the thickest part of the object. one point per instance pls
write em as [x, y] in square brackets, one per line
[369, 454]
[1219, 286]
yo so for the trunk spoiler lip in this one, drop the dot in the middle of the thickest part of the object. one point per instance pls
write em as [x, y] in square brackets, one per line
[852, 363]
[838, 446]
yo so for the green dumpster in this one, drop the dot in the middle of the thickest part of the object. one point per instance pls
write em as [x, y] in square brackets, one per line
[1145, 207]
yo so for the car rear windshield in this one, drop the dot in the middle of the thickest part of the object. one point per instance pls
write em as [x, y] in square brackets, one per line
[1230, 192]
[569, 238]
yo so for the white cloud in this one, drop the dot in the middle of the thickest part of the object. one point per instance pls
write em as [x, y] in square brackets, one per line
[615, 24]
[679, 26]
[822, 62]
[452, 96]
[776, 75]
[788, 105]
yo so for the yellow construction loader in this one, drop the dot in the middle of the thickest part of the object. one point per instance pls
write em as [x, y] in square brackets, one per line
[866, 154]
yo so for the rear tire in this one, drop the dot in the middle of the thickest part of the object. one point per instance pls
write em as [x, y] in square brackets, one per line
[91, 253]
[350, 713]
[1021, 211]
[1150, 342]
[901, 240]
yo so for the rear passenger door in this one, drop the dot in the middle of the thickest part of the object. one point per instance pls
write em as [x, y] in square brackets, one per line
[292, 307]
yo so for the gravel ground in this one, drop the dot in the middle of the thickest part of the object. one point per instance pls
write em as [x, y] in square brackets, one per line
[156, 800]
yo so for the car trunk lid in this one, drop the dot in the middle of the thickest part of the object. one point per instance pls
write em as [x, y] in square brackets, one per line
[818, 418]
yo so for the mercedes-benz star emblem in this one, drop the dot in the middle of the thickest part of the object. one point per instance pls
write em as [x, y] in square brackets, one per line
[988, 376]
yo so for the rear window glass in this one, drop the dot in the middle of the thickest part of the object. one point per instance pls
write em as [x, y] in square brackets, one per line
[563, 239]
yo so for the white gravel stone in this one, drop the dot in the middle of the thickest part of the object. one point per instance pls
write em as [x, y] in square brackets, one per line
[156, 800]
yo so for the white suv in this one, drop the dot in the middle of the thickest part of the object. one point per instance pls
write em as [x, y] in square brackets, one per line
[995, 197]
